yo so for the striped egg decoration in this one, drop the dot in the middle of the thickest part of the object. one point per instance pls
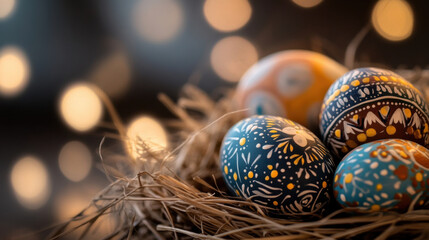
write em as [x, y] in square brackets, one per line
[368, 104]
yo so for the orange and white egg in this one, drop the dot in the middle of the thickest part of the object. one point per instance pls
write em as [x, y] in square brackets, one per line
[289, 84]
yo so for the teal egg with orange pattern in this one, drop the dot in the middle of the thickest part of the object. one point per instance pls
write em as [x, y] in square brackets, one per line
[368, 104]
[384, 175]
[279, 164]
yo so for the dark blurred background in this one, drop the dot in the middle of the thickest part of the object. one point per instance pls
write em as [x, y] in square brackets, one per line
[51, 50]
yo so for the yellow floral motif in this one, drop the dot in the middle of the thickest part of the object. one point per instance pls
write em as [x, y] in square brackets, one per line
[291, 137]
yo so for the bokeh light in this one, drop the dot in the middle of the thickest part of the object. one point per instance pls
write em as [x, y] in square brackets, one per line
[227, 15]
[232, 56]
[14, 71]
[158, 21]
[80, 107]
[148, 130]
[70, 203]
[307, 3]
[75, 161]
[6, 8]
[393, 19]
[113, 74]
[30, 182]
[72, 200]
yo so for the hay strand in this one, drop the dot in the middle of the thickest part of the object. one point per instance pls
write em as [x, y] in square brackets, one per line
[180, 193]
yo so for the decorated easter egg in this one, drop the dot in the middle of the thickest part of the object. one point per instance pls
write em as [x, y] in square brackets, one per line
[277, 163]
[368, 104]
[383, 175]
[289, 84]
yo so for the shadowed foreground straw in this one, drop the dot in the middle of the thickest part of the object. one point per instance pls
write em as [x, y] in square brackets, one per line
[180, 193]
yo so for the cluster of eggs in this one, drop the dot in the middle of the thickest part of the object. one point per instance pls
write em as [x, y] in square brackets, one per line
[375, 123]
[372, 122]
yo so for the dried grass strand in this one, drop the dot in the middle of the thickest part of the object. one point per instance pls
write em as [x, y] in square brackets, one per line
[180, 194]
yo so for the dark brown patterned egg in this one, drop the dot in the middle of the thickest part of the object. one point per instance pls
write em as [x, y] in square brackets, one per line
[368, 104]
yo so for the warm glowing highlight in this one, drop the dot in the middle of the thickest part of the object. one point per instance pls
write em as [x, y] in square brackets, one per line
[158, 21]
[393, 19]
[150, 132]
[30, 182]
[75, 161]
[232, 56]
[227, 15]
[14, 71]
[80, 107]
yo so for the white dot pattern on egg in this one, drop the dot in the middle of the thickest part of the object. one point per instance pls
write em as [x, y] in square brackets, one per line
[368, 104]
[383, 175]
[277, 163]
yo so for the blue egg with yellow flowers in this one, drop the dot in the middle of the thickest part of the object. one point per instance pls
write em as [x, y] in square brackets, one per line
[279, 164]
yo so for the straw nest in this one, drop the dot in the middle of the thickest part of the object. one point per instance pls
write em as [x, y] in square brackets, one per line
[180, 193]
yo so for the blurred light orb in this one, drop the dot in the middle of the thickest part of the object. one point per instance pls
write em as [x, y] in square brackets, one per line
[6, 8]
[14, 71]
[72, 200]
[75, 161]
[227, 15]
[148, 130]
[158, 21]
[232, 56]
[30, 182]
[393, 19]
[68, 204]
[113, 74]
[307, 3]
[80, 107]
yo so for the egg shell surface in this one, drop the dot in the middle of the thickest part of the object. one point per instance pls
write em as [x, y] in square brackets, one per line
[368, 104]
[277, 163]
[289, 84]
[383, 175]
